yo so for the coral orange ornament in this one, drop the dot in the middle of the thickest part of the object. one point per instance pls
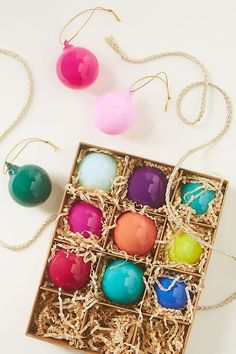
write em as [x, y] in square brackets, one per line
[135, 233]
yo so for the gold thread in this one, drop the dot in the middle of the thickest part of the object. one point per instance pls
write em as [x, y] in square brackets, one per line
[25, 143]
[92, 10]
[150, 79]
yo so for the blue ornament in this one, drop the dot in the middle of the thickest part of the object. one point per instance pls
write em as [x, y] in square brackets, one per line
[122, 282]
[199, 204]
[97, 170]
[175, 298]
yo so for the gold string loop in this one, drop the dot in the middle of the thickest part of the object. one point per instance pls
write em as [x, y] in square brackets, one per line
[24, 110]
[92, 11]
[149, 79]
[22, 145]
[116, 47]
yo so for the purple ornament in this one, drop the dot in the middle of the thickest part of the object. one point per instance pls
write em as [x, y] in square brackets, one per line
[147, 185]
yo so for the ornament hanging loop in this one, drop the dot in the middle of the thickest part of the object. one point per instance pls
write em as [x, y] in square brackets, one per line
[149, 79]
[22, 145]
[92, 11]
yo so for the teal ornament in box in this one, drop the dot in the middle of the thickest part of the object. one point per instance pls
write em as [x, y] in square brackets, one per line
[123, 283]
[200, 196]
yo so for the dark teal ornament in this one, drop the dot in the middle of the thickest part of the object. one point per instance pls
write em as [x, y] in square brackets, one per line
[29, 185]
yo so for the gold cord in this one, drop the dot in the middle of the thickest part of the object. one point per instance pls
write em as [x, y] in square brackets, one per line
[115, 46]
[92, 10]
[25, 143]
[28, 100]
[151, 78]
[219, 305]
[24, 245]
[172, 212]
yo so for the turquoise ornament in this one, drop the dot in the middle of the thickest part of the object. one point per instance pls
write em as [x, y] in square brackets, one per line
[201, 203]
[122, 282]
[29, 185]
[97, 170]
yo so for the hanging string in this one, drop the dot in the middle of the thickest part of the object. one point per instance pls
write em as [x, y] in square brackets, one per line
[114, 45]
[92, 11]
[28, 100]
[172, 214]
[150, 78]
[23, 144]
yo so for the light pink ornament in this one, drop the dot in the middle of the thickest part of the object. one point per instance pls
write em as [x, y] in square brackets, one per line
[77, 67]
[113, 113]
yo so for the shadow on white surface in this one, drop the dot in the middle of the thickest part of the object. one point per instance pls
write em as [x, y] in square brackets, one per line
[105, 82]
[142, 126]
[53, 203]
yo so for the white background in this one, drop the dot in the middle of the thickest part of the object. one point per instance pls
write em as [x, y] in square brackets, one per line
[202, 28]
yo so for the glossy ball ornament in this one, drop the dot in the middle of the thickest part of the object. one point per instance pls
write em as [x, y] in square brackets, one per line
[69, 272]
[201, 203]
[97, 170]
[77, 67]
[135, 233]
[29, 185]
[122, 282]
[113, 112]
[175, 298]
[85, 218]
[147, 186]
[184, 249]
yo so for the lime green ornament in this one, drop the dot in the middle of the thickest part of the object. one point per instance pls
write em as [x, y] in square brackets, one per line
[29, 185]
[184, 249]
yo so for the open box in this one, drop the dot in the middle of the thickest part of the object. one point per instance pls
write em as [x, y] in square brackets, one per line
[85, 320]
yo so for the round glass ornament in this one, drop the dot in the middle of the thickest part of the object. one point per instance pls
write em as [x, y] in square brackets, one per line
[122, 282]
[97, 170]
[135, 233]
[77, 67]
[184, 249]
[113, 112]
[200, 197]
[147, 186]
[69, 272]
[85, 218]
[175, 298]
[29, 185]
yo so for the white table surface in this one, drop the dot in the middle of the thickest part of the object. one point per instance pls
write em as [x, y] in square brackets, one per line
[202, 28]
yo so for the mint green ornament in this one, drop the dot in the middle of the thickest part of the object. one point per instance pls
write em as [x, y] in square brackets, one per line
[29, 185]
[97, 170]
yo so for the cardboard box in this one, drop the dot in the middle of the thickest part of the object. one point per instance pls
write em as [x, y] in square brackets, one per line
[168, 324]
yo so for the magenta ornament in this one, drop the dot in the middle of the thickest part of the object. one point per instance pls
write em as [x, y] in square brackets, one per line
[85, 218]
[69, 272]
[147, 186]
[77, 67]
